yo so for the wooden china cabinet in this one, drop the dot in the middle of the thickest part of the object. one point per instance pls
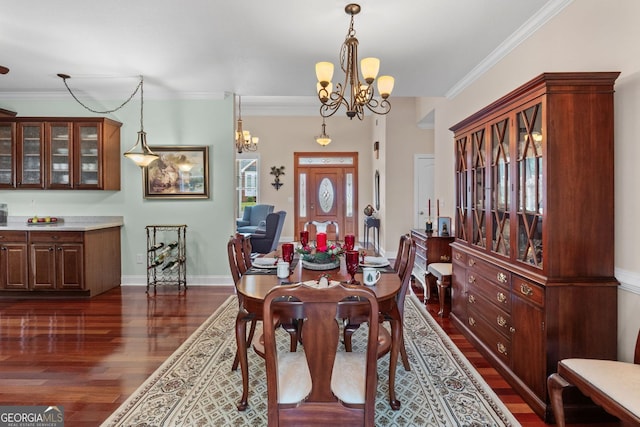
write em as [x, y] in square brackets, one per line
[59, 153]
[533, 263]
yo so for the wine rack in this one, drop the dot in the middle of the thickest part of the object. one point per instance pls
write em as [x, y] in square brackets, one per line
[166, 255]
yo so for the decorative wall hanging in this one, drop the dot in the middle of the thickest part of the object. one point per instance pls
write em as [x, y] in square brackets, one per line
[180, 172]
[276, 172]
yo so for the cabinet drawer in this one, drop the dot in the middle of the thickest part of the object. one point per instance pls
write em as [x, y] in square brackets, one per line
[528, 291]
[13, 236]
[494, 341]
[496, 295]
[498, 319]
[494, 274]
[56, 236]
[459, 257]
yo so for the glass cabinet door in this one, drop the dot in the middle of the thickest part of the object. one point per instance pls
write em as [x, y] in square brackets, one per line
[462, 147]
[31, 153]
[7, 154]
[88, 135]
[478, 194]
[500, 223]
[530, 185]
[60, 158]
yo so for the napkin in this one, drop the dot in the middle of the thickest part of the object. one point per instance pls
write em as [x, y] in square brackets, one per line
[375, 260]
[265, 261]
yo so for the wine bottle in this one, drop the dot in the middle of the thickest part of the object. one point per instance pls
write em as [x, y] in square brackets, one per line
[154, 264]
[168, 248]
[170, 265]
[156, 247]
[159, 259]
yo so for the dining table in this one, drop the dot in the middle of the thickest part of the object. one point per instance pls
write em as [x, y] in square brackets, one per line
[256, 283]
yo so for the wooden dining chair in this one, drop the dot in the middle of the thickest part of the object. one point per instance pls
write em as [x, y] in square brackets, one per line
[323, 227]
[404, 259]
[320, 385]
[239, 255]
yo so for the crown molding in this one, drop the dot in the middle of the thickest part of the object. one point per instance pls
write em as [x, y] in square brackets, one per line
[548, 11]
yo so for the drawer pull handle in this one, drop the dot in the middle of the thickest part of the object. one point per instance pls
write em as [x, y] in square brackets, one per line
[502, 278]
[445, 258]
[51, 249]
[501, 321]
[501, 297]
[471, 262]
[526, 290]
[471, 279]
[4, 248]
[458, 256]
[502, 349]
[472, 299]
[472, 321]
[512, 330]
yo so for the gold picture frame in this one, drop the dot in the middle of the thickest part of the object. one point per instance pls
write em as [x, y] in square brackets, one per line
[181, 172]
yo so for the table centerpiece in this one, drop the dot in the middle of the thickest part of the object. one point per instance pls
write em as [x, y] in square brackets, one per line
[321, 256]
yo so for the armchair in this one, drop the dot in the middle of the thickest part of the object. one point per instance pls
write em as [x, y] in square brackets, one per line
[253, 218]
[266, 242]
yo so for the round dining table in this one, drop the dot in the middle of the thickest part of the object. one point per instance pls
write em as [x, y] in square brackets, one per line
[255, 284]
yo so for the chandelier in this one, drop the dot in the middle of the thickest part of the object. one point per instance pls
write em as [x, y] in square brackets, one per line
[144, 156]
[244, 140]
[352, 93]
[323, 139]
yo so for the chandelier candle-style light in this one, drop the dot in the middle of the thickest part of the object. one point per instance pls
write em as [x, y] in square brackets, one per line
[244, 140]
[323, 139]
[352, 93]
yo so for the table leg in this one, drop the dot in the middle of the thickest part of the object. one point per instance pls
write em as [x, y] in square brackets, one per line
[396, 333]
[241, 337]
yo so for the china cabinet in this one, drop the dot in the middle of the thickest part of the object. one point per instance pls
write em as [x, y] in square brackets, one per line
[533, 267]
[60, 153]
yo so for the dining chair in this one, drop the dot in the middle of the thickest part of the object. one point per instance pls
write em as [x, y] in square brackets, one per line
[323, 227]
[404, 259]
[239, 252]
[321, 385]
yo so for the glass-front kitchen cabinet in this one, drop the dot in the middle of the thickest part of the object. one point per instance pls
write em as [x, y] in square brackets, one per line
[60, 153]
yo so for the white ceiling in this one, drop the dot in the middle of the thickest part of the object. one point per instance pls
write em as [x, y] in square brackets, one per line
[256, 48]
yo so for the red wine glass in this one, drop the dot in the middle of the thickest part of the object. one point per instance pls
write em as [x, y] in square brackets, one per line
[352, 261]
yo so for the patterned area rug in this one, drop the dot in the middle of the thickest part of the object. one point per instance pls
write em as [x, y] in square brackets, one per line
[196, 387]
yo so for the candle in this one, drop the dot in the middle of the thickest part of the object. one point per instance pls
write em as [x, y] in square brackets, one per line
[438, 207]
[429, 210]
[321, 240]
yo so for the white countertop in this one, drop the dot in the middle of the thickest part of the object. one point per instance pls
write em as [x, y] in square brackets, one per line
[67, 223]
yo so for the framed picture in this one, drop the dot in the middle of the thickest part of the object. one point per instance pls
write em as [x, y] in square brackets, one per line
[181, 172]
[444, 226]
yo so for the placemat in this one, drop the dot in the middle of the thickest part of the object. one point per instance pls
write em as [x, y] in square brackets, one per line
[257, 271]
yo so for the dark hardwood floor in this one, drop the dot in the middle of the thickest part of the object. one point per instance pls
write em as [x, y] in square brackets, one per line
[90, 355]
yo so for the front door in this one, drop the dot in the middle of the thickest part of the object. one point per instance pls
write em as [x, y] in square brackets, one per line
[326, 190]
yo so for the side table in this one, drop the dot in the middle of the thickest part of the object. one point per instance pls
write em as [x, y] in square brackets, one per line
[369, 223]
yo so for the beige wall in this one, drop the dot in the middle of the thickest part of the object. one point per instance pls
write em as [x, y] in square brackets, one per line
[400, 139]
[588, 35]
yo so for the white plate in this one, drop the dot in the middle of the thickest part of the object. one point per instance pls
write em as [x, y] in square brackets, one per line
[265, 262]
[375, 261]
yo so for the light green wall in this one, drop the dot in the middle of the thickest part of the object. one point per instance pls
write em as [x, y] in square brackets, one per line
[167, 122]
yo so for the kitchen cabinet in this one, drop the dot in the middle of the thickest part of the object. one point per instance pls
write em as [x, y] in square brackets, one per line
[533, 267]
[57, 260]
[13, 260]
[60, 153]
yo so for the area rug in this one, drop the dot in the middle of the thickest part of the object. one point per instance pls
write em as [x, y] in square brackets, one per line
[196, 387]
